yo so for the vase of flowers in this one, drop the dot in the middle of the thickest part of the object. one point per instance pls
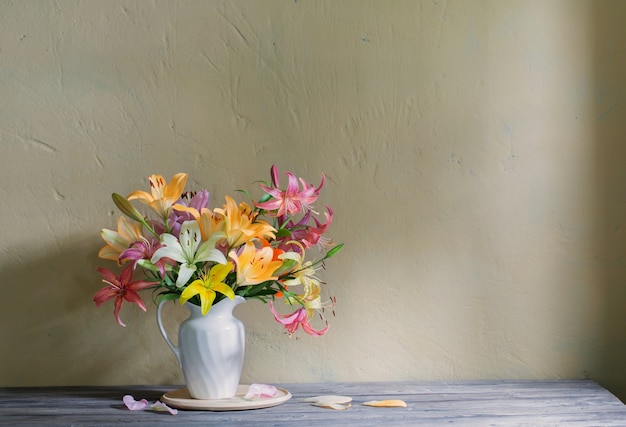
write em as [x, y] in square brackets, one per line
[213, 258]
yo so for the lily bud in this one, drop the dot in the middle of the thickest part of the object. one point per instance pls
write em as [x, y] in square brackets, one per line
[127, 208]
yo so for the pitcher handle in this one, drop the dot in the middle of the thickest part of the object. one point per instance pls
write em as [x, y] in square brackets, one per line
[174, 348]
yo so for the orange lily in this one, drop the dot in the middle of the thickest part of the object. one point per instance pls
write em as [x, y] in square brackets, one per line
[208, 221]
[241, 225]
[254, 265]
[163, 195]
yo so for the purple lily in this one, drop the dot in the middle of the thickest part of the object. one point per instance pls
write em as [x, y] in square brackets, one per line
[198, 201]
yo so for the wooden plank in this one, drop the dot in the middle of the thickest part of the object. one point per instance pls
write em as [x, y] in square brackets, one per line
[481, 403]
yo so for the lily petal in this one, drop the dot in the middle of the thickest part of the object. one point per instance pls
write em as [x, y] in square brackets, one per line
[392, 403]
[208, 252]
[172, 249]
[330, 402]
[105, 294]
[219, 272]
[206, 300]
[184, 274]
[223, 288]
[306, 327]
[116, 310]
[175, 188]
[258, 391]
[192, 290]
[335, 406]
[329, 398]
[189, 238]
[134, 405]
[143, 404]
[162, 407]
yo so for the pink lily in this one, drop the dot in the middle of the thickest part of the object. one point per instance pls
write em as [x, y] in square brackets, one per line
[307, 235]
[143, 250]
[121, 288]
[314, 234]
[292, 200]
[296, 319]
[309, 193]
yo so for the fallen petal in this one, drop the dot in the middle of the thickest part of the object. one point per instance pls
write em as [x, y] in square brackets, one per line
[143, 404]
[330, 401]
[336, 406]
[393, 403]
[160, 406]
[257, 391]
[338, 403]
[134, 405]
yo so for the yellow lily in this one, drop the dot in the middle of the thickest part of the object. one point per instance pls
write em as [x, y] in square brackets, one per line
[241, 225]
[208, 285]
[303, 273]
[254, 265]
[311, 300]
[118, 241]
[163, 195]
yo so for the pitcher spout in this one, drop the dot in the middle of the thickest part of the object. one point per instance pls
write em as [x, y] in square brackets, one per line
[224, 307]
[227, 305]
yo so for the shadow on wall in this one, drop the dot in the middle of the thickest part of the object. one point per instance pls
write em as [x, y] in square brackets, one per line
[48, 299]
[608, 95]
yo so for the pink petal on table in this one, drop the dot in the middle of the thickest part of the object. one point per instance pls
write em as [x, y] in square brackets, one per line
[143, 404]
[257, 391]
[134, 405]
[160, 406]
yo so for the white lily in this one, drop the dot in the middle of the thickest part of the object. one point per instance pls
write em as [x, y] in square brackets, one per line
[189, 249]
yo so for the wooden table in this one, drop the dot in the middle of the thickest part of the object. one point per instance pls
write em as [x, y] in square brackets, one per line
[474, 403]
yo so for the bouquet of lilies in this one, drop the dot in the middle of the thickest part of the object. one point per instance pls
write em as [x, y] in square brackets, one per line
[190, 253]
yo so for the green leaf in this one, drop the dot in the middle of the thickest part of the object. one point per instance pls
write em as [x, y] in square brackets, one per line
[168, 281]
[265, 198]
[282, 232]
[167, 296]
[246, 193]
[287, 266]
[261, 289]
[145, 263]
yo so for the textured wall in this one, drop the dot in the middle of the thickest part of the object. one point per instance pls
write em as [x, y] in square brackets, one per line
[474, 154]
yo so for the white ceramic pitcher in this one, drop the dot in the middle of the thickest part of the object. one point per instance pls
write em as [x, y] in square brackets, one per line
[210, 349]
